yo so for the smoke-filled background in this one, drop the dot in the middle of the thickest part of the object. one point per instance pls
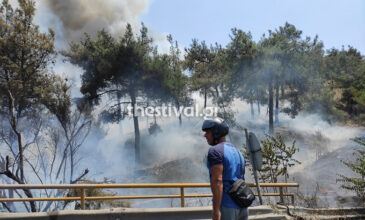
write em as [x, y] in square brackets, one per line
[177, 153]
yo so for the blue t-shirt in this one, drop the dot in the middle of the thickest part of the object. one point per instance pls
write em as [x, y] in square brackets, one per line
[226, 154]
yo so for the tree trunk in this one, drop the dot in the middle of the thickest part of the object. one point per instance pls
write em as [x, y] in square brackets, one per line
[271, 107]
[258, 108]
[217, 93]
[119, 107]
[178, 107]
[277, 103]
[13, 124]
[64, 158]
[252, 110]
[205, 98]
[137, 137]
[71, 163]
[27, 192]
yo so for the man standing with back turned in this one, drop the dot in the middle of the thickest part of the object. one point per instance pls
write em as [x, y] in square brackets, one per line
[224, 164]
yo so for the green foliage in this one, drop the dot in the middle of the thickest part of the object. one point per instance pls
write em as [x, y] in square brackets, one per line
[24, 56]
[119, 71]
[241, 53]
[116, 68]
[174, 83]
[345, 72]
[277, 158]
[355, 184]
[129, 71]
[284, 61]
[199, 61]
[29, 94]
[211, 75]
[295, 62]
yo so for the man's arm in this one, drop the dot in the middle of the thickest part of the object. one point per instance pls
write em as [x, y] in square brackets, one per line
[216, 183]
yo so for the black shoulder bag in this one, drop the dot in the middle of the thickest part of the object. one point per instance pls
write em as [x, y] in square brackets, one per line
[240, 193]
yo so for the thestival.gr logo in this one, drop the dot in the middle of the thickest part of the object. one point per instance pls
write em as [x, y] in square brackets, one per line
[169, 111]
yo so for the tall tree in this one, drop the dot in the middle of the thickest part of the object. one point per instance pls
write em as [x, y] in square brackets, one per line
[118, 70]
[211, 75]
[345, 72]
[197, 60]
[24, 55]
[285, 39]
[266, 70]
[175, 81]
[29, 92]
[208, 68]
[241, 52]
[292, 68]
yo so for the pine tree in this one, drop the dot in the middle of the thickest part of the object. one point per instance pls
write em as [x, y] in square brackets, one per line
[26, 85]
[122, 71]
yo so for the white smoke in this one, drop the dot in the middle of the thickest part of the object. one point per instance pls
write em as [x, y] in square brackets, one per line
[74, 18]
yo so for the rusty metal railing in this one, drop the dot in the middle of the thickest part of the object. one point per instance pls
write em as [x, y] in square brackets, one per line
[82, 198]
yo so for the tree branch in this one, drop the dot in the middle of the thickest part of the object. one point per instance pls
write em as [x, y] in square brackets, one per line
[6, 206]
[10, 175]
[80, 177]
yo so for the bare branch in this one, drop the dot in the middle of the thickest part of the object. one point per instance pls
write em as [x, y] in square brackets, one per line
[80, 177]
[6, 206]
[20, 196]
[9, 174]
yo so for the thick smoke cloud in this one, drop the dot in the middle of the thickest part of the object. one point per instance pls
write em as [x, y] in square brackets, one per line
[85, 16]
[72, 19]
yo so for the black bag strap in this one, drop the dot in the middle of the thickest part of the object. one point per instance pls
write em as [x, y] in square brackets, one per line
[243, 174]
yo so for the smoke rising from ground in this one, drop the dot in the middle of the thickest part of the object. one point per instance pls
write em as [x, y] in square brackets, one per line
[176, 143]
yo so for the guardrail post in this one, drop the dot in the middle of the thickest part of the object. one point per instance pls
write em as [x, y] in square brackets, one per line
[292, 199]
[82, 198]
[281, 195]
[182, 197]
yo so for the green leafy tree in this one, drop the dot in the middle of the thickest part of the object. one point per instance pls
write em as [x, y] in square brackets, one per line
[288, 64]
[266, 69]
[284, 42]
[223, 89]
[174, 81]
[241, 52]
[24, 56]
[277, 158]
[355, 184]
[345, 72]
[30, 97]
[211, 74]
[197, 60]
[120, 71]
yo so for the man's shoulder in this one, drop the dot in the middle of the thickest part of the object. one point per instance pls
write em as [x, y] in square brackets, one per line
[219, 147]
[215, 155]
[228, 144]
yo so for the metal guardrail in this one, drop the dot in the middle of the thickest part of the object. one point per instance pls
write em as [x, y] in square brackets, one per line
[84, 198]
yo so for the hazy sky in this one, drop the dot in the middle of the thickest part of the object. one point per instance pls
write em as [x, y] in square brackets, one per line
[336, 22]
